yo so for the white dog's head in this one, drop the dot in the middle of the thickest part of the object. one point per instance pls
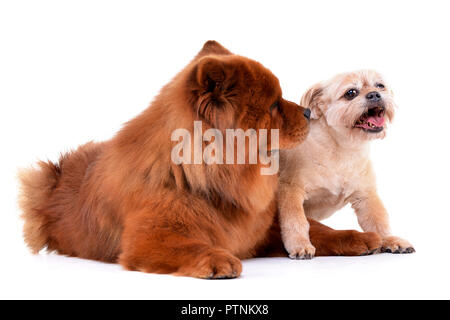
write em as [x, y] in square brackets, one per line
[357, 105]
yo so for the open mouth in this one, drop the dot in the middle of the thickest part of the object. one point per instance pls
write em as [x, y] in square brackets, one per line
[372, 120]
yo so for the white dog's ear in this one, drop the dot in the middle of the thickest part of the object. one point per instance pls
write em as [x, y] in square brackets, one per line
[312, 99]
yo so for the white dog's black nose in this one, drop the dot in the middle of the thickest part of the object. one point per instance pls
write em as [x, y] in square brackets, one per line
[373, 96]
[307, 113]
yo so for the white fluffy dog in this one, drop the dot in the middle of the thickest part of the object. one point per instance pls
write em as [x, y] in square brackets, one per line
[332, 167]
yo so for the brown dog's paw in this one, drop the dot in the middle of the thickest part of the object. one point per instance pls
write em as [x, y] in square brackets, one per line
[216, 264]
[356, 243]
[396, 245]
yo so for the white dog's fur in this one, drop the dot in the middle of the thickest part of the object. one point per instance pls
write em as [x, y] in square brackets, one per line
[332, 167]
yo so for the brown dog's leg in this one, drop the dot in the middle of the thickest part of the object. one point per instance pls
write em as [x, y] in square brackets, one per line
[166, 243]
[327, 241]
[330, 242]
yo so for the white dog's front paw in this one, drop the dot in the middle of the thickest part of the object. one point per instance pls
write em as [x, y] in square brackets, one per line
[396, 245]
[301, 250]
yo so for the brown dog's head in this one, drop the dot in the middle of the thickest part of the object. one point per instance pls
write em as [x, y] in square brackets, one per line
[357, 104]
[228, 91]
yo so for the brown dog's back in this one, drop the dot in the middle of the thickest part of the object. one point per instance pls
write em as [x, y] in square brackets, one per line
[58, 203]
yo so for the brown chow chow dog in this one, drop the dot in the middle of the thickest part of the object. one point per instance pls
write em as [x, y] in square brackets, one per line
[125, 201]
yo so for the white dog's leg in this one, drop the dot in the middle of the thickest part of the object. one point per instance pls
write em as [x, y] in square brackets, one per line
[373, 217]
[293, 223]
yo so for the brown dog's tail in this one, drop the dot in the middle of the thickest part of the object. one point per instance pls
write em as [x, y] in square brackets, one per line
[37, 185]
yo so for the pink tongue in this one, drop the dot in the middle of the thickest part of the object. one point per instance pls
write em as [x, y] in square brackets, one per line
[377, 121]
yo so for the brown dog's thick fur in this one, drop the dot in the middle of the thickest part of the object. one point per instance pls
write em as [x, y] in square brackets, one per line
[125, 201]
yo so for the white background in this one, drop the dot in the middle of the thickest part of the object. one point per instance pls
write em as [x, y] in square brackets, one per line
[73, 71]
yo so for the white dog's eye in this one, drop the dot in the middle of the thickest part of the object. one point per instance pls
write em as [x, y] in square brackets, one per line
[380, 86]
[351, 94]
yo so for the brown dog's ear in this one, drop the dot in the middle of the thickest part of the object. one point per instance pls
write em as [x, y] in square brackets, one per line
[312, 99]
[213, 84]
[212, 47]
